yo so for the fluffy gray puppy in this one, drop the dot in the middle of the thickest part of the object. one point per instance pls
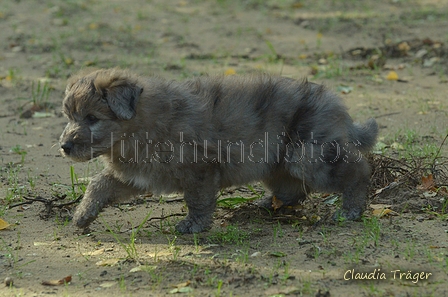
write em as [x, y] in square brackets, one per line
[208, 133]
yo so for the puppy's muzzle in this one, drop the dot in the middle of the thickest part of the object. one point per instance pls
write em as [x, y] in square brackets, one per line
[67, 147]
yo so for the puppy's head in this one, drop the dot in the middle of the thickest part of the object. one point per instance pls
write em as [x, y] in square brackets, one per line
[97, 104]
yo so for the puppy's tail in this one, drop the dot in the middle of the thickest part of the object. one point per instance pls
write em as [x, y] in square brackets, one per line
[365, 134]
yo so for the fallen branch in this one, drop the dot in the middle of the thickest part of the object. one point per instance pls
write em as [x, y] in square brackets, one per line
[49, 203]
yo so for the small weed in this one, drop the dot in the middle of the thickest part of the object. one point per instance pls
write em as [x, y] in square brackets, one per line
[175, 249]
[218, 288]
[77, 188]
[40, 94]
[373, 290]
[410, 250]
[130, 248]
[196, 242]
[395, 243]
[233, 201]
[243, 256]
[122, 283]
[372, 228]
[317, 251]
[286, 275]
[331, 69]
[324, 233]
[238, 200]
[19, 151]
[274, 56]
[319, 40]
[15, 189]
[255, 192]
[411, 145]
[8, 253]
[306, 286]
[278, 232]
[231, 235]
[360, 243]
[31, 180]
[13, 76]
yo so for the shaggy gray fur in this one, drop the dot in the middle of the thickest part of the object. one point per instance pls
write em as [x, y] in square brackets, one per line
[208, 133]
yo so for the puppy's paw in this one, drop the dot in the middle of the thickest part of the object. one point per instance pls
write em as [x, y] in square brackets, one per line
[265, 202]
[82, 220]
[347, 215]
[270, 203]
[193, 225]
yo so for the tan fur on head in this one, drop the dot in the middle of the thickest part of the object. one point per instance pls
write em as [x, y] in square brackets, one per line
[208, 133]
[93, 102]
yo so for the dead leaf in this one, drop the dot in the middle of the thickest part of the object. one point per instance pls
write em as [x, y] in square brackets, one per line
[93, 26]
[331, 200]
[376, 62]
[4, 224]
[276, 203]
[230, 71]
[290, 290]
[379, 206]
[344, 89]
[429, 194]
[383, 212]
[41, 114]
[443, 190]
[147, 268]
[108, 262]
[59, 282]
[427, 183]
[404, 46]
[160, 254]
[36, 243]
[108, 284]
[181, 290]
[94, 253]
[295, 207]
[430, 62]
[397, 146]
[182, 285]
[392, 76]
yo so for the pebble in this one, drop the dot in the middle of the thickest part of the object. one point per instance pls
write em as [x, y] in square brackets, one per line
[9, 281]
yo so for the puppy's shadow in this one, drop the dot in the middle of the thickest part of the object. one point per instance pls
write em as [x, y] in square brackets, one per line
[255, 213]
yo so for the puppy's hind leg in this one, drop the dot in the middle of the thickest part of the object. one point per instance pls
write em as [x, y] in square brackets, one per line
[200, 195]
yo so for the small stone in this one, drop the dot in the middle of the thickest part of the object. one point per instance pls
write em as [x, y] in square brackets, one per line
[9, 281]
[16, 49]
[421, 53]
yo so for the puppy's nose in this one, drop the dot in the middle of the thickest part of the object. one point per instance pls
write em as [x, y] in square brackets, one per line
[67, 147]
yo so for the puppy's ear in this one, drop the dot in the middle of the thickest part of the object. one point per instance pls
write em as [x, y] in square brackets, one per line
[121, 96]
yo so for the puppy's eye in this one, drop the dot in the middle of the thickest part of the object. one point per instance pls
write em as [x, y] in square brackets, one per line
[91, 119]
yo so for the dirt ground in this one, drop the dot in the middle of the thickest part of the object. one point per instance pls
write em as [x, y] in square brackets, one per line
[388, 59]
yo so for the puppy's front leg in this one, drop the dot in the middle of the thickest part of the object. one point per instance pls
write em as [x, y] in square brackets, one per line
[200, 196]
[103, 189]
